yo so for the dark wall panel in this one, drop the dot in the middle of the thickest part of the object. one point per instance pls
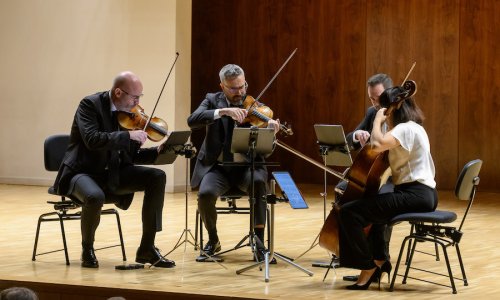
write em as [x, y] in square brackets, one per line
[322, 83]
[425, 32]
[340, 44]
[479, 101]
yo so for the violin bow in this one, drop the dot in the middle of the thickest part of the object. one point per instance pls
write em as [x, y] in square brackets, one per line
[276, 75]
[409, 72]
[159, 96]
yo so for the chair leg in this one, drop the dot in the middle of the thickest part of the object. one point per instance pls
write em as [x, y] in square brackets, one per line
[436, 247]
[412, 252]
[63, 233]
[395, 272]
[201, 234]
[412, 230]
[450, 274]
[33, 257]
[464, 277]
[41, 219]
[119, 224]
[196, 230]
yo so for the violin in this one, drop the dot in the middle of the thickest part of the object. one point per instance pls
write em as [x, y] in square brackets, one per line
[259, 114]
[136, 119]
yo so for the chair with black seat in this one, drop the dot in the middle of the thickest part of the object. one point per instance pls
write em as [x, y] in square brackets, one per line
[430, 227]
[230, 197]
[54, 149]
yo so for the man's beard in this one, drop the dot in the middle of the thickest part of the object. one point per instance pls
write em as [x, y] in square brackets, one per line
[236, 99]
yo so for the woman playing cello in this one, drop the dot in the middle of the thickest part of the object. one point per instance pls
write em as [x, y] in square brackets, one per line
[413, 173]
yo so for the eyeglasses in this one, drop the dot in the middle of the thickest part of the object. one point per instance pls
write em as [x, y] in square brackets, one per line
[135, 97]
[234, 90]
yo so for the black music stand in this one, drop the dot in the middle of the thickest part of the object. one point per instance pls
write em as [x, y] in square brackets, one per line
[172, 147]
[292, 195]
[335, 152]
[250, 142]
[176, 145]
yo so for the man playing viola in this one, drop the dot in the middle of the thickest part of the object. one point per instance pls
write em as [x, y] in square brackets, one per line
[99, 168]
[218, 113]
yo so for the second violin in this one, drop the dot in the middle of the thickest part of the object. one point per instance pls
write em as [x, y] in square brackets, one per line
[259, 114]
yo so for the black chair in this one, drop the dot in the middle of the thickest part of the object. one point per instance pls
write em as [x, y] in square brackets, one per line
[428, 227]
[230, 197]
[54, 149]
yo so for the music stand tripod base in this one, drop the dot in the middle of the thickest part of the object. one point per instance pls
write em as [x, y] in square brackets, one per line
[214, 258]
[269, 255]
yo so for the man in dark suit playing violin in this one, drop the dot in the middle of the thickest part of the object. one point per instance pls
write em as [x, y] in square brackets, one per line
[218, 113]
[99, 167]
[356, 139]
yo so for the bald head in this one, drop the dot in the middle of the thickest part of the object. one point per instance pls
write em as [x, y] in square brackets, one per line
[125, 79]
[126, 90]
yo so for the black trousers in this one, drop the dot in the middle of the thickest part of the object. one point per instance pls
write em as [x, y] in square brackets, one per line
[219, 180]
[377, 231]
[92, 191]
[355, 249]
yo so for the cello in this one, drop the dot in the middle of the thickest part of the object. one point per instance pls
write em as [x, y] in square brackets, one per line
[363, 178]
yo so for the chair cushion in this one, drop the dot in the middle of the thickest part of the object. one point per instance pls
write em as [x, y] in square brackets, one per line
[234, 192]
[437, 216]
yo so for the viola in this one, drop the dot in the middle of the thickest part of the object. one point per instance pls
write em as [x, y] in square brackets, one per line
[136, 119]
[259, 114]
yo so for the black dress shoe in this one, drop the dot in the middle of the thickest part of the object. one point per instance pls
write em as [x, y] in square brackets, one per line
[211, 248]
[88, 258]
[152, 255]
[374, 278]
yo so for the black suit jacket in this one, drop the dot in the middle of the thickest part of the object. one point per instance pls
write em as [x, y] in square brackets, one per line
[93, 138]
[366, 124]
[216, 134]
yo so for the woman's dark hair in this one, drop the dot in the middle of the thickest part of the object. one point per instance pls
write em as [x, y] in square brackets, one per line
[408, 111]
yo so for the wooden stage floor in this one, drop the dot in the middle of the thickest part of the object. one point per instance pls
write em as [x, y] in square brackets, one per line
[20, 207]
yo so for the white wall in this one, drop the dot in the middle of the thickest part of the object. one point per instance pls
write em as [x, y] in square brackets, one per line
[55, 52]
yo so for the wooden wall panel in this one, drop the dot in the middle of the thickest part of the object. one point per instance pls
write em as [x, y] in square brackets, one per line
[322, 83]
[425, 32]
[479, 100]
[340, 44]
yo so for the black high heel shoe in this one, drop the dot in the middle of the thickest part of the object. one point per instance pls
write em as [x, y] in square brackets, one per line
[375, 276]
[386, 268]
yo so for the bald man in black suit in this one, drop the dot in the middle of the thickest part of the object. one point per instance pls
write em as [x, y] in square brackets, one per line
[99, 167]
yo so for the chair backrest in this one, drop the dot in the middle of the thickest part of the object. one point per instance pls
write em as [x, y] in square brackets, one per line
[54, 149]
[468, 178]
[467, 182]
